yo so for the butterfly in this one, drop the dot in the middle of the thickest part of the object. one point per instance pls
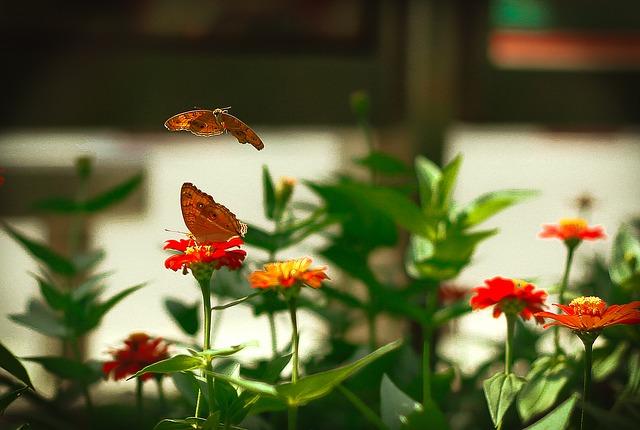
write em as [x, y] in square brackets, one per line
[207, 220]
[204, 122]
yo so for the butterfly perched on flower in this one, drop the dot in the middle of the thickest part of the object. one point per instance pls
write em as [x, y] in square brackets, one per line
[207, 220]
[205, 122]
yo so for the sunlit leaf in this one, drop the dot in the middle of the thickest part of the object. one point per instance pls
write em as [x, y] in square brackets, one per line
[429, 176]
[177, 363]
[544, 383]
[490, 204]
[603, 366]
[625, 257]
[500, 391]
[395, 405]
[558, 419]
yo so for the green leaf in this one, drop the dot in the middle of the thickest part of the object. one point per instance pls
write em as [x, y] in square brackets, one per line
[87, 261]
[269, 193]
[54, 297]
[223, 352]
[90, 287]
[448, 182]
[67, 368]
[604, 365]
[177, 363]
[383, 163]
[489, 204]
[101, 310]
[41, 319]
[60, 205]
[225, 396]
[558, 419]
[11, 364]
[395, 406]
[237, 301]
[318, 385]
[186, 316]
[51, 259]
[429, 177]
[212, 422]
[191, 423]
[259, 238]
[625, 257]
[500, 391]
[113, 195]
[545, 380]
[7, 398]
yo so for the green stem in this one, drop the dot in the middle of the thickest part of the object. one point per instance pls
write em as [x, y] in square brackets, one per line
[198, 399]
[563, 287]
[139, 405]
[206, 301]
[85, 387]
[586, 388]
[426, 364]
[292, 418]
[274, 334]
[161, 398]
[508, 350]
[293, 410]
[371, 416]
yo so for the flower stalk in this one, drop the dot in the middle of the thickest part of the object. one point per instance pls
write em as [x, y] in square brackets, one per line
[293, 410]
[205, 287]
[508, 350]
[571, 247]
[587, 339]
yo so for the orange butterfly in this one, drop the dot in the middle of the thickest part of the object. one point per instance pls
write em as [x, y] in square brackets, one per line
[204, 122]
[207, 220]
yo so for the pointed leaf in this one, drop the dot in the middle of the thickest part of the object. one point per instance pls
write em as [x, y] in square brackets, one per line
[429, 418]
[429, 176]
[604, 366]
[383, 163]
[90, 287]
[500, 391]
[86, 261]
[222, 352]
[186, 316]
[60, 205]
[54, 261]
[7, 398]
[269, 193]
[67, 368]
[113, 195]
[489, 204]
[395, 406]
[103, 308]
[320, 384]
[54, 298]
[41, 319]
[187, 385]
[247, 384]
[544, 383]
[448, 182]
[177, 363]
[11, 364]
[558, 419]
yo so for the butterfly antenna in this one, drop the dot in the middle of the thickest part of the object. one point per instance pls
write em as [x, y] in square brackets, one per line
[176, 231]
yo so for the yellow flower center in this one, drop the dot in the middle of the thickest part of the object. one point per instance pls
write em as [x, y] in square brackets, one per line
[591, 305]
[519, 283]
[573, 223]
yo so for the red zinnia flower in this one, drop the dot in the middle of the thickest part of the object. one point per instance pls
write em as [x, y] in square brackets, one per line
[509, 296]
[287, 273]
[213, 254]
[586, 314]
[140, 350]
[575, 229]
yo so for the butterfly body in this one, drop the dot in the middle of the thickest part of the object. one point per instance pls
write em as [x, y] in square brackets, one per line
[207, 220]
[205, 122]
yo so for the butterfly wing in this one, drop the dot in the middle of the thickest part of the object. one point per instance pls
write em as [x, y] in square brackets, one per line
[206, 219]
[201, 122]
[239, 129]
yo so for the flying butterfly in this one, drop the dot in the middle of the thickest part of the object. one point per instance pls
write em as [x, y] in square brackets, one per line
[205, 122]
[207, 220]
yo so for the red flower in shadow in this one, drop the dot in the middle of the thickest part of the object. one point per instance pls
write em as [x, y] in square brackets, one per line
[509, 296]
[139, 351]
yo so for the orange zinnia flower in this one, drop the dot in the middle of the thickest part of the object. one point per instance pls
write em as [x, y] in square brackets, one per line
[509, 296]
[140, 350]
[572, 229]
[214, 254]
[288, 273]
[588, 314]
